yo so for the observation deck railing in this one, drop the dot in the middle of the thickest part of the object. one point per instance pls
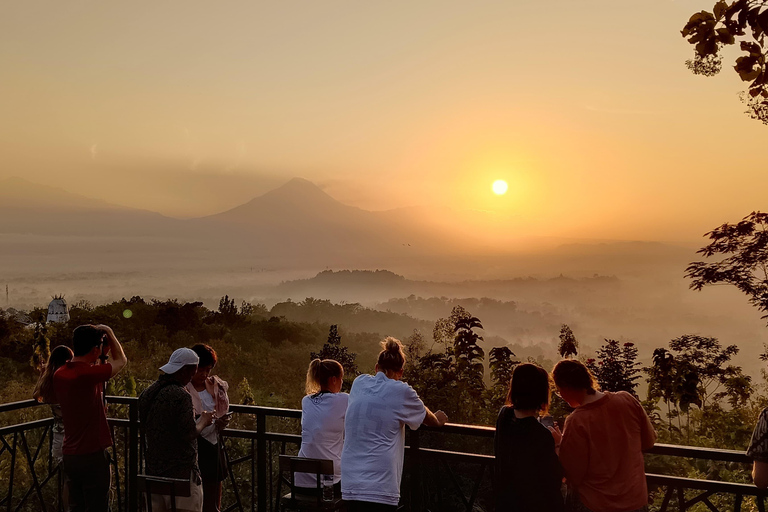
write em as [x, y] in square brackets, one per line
[446, 469]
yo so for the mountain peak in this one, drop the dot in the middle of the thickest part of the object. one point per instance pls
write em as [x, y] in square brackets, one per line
[298, 189]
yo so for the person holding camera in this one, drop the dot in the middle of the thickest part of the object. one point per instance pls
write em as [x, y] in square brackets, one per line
[79, 388]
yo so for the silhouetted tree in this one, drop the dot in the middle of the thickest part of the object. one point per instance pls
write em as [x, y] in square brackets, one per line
[501, 361]
[742, 21]
[568, 346]
[744, 250]
[41, 344]
[616, 367]
[333, 349]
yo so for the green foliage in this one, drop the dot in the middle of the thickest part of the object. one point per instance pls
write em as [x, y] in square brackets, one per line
[742, 21]
[501, 363]
[568, 346]
[333, 349]
[743, 248]
[616, 367]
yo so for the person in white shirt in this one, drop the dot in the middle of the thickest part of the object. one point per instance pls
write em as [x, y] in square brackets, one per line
[374, 445]
[322, 420]
[209, 393]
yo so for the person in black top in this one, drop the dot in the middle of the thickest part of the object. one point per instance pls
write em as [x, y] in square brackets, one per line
[528, 472]
[170, 431]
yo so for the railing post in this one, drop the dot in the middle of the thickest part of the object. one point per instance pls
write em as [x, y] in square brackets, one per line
[133, 455]
[261, 460]
[415, 462]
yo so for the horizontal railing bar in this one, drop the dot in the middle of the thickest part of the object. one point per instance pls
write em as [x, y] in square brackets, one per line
[464, 456]
[700, 453]
[706, 485]
[23, 404]
[122, 400]
[457, 428]
[268, 411]
[26, 426]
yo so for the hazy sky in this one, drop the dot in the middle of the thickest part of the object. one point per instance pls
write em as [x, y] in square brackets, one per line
[189, 107]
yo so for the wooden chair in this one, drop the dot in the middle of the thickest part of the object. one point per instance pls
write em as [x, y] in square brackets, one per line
[173, 487]
[306, 502]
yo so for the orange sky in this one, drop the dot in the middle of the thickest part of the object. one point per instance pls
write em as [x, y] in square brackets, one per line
[191, 107]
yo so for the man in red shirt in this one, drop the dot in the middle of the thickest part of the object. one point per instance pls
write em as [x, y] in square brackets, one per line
[79, 388]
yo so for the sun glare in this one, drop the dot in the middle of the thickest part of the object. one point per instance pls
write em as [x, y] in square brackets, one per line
[499, 187]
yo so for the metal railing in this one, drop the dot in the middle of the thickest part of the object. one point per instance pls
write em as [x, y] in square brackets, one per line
[450, 468]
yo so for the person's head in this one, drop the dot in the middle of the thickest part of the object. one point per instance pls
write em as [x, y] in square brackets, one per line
[529, 388]
[324, 375]
[208, 360]
[391, 358]
[182, 365]
[44, 391]
[574, 381]
[87, 341]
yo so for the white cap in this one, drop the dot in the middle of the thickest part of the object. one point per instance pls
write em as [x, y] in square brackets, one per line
[181, 357]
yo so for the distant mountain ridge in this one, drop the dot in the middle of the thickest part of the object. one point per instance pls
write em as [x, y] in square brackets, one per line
[298, 225]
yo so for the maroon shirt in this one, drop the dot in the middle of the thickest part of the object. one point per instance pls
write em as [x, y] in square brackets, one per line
[79, 389]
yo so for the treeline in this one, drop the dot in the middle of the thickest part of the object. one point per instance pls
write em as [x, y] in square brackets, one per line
[263, 351]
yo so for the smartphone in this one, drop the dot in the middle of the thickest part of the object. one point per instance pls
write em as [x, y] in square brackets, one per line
[547, 421]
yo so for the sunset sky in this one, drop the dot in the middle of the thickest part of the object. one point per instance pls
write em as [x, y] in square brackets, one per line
[188, 108]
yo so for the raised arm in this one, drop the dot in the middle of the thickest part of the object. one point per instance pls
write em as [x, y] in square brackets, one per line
[437, 419]
[117, 355]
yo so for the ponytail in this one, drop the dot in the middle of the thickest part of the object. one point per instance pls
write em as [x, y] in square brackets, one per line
[391, 357]
[320, 372]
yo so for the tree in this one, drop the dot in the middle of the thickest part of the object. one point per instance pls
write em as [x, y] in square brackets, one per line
[568, 346]
[228, 310]
[742, 21]
[502, 362]
[706, 357]
[744, 250]
[333, 349]
[616, 367]
[41, 344]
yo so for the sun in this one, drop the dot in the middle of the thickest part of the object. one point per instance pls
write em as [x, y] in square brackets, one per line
[499, 187]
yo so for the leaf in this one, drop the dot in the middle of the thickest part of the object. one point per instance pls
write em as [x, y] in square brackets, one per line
[720, 8]
[701, 17]
[762, 20]
[724, 36]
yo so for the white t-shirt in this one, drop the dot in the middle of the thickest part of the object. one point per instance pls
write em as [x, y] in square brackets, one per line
[374, 443]
[209, 432]
[322, 432]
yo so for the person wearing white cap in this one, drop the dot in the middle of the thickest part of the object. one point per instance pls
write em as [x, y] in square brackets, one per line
[170, 430]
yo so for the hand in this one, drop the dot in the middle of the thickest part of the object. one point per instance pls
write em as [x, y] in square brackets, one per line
[223, 422]
[556, 434]
[107, 329]
[442, 418]
[206, 418]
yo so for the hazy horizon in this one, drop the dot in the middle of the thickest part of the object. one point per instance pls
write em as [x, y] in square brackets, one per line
[189, 109]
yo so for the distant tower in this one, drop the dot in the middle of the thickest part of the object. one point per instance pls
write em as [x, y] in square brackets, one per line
[58, 311]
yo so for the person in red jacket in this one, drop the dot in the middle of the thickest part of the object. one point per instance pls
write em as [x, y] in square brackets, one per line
[603, 442]
[79, 388]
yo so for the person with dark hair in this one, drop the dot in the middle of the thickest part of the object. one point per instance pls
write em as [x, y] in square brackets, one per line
[758, 451]
[603, 442]
[323, 410]
[209, 393]
[170, 431]
[79, 388]
[528, 475]
[44, 393]
[380, 406]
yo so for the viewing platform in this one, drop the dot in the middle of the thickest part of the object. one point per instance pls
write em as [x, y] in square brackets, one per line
[446, 469]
